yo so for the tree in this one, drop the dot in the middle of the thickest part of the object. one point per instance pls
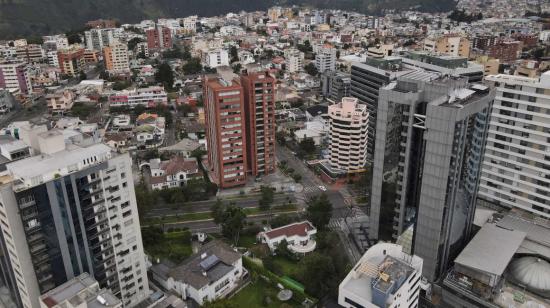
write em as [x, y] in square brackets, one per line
[165, 75]
[307, 145]
[133, 43]
[193, 66]
[82, 76]
[234, 53]
[237, 68]
[73, 37]
[267, 197]
[318, 273]
[151, 236]
[283, 250]
[217, 211]
[174, 53]
[280, 137]
[280, 220]
[233, 222]
[311, 69]
[319, 211]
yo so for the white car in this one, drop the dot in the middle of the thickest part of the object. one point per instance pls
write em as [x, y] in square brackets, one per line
[323, 188]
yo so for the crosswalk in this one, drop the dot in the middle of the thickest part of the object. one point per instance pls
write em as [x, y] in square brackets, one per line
[336, 224]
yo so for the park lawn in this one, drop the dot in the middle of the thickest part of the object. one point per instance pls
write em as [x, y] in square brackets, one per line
[247, 241]
[253, 296]
[289, 268]
[175, 246]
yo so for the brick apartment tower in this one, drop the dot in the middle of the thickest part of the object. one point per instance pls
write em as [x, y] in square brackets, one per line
[259, 101]
[225, 131]
[159, 38]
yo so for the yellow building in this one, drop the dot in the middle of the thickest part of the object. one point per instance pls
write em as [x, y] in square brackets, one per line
[452, 45]
[116, 58]
[490, 65]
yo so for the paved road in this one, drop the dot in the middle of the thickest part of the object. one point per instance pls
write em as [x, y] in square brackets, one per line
[311, 183]
[210, 226]
[204, 206]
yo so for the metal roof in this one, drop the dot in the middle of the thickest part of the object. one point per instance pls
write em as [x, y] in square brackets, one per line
[491, 249]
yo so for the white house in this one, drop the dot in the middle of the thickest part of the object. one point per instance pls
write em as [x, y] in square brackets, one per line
[298, 235]
[210, 274]
[384, 277]
[173, 173]
[215, 58]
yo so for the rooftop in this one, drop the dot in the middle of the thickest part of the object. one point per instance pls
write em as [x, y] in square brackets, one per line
[491, 249]
[295, 229]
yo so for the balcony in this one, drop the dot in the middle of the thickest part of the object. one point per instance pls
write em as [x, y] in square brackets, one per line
[309, 246]
[26, 202]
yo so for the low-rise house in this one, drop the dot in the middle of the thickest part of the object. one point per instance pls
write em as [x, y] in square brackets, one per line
[122, 120]
[60, 102]
[212, 273]
[117, 140]
[298, 235]
[174, 172]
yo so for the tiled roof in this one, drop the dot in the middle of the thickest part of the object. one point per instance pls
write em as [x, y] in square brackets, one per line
[299, 228]
[178, 164]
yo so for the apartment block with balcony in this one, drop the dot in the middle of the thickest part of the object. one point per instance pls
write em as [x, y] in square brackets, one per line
[348, 126]
[259, 99]
[225, 130]
[14, 77]
[71, 60]
[67, 211]
[516, 165]
[116, 58]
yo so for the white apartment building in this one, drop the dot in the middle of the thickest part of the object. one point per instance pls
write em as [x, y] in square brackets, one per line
[215, 58]
[60, 41]
[190, 23]
[150, 96]
[14, 77]
[98, 38]
[68, 211]
[51, 57]
[142, 48]
[385, 277]
[516, 165]
[348, 126]
[325, 59]
[294, 60]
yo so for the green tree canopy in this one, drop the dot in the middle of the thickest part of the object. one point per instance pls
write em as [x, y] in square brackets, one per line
[319, 211]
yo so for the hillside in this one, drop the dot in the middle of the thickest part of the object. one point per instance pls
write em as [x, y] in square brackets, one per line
[29, 17]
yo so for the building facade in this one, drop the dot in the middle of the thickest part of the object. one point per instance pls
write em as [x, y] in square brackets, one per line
[294, 60]
[225, 131]
[348, 125]
[116, 58]
[335, 85]
[148, 97]
[159, 38]
[71, 60]
[441, 125]
[259, 99]
[325, 59]
[14, 77]
[98, 38]
[516, 162]
[385, 276]
[68, 211]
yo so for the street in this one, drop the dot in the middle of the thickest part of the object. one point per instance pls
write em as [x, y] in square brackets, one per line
[311, 183]
[205, 206]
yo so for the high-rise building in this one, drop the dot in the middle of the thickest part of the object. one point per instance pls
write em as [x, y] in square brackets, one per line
[335, 85]
[368, 77]
[506, 51]
[98, 38]
[225, 130]
[440, 124]
[325, 59]
[116, 58]
[348, 124]
[71, 60]
[159, 37]
[516, 164]
[30, 53]
[259, 99]
[70, 210]
[294, 60]
[14, 77]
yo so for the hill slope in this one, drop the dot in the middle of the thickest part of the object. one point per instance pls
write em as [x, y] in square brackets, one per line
[28, 17]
